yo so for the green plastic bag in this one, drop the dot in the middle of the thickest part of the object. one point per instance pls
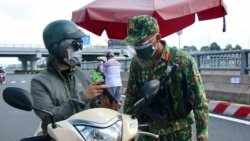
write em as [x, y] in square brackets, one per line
[96, 75]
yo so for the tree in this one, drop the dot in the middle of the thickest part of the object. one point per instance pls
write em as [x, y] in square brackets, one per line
[237, 47]
[229, 47]
[204, 48]
[190, 48]
[174, 46]
[214, 47]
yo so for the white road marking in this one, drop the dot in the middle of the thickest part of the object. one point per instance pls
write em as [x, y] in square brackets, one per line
[230, 119]
[14, 82]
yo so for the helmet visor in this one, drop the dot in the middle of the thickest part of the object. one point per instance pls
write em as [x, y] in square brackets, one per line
[75, 35]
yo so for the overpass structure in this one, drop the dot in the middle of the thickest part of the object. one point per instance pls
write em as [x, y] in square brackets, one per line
[235, 60]
[31, 53]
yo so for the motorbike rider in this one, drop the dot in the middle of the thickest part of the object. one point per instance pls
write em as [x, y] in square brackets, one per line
[2, 70]
[3, 74]
[63, 88]
[181, 99]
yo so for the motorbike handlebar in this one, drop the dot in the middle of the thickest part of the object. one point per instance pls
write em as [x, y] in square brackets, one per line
[148, 134]
[45, 137]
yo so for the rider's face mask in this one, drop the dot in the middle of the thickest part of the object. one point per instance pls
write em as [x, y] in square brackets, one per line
[74, 53]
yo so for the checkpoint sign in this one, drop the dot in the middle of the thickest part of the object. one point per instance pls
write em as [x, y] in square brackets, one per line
[86, 40]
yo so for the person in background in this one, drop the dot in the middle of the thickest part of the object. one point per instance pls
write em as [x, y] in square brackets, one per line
[97, 74]
[181, 100]
[63, 88]
[100, 65]
[112, 73]
[2, 75]
[2, 70]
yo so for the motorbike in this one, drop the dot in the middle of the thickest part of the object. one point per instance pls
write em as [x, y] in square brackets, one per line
[95, 124]
[2, 78]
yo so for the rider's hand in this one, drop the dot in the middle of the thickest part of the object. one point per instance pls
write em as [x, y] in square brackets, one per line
[116, 105]
[107, 104]
[94, 89]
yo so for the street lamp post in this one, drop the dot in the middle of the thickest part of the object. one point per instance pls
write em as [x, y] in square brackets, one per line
[247, 34]
[247, 39]
[179, 33]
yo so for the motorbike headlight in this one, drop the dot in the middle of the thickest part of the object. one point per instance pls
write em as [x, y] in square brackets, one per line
[110, 133]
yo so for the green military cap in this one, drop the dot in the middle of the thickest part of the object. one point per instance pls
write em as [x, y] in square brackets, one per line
[139, 27]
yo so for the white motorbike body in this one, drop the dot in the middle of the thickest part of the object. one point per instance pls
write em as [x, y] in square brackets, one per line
[65, 131]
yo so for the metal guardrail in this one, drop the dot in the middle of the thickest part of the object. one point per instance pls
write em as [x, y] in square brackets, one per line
[237, 60]
[89, 52]
[23, 45]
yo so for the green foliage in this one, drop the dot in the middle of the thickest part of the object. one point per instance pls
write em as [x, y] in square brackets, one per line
[213, 47]
[190, 48]
[27, 71]
[234, 101]
[237, 47]
[204, 48]
[230, 47]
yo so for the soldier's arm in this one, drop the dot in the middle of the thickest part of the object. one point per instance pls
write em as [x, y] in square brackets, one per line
[198, 100]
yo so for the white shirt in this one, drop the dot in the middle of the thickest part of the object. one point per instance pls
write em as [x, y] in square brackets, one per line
[112, 70]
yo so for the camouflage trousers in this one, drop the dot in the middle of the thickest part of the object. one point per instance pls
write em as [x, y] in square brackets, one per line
[181, 135]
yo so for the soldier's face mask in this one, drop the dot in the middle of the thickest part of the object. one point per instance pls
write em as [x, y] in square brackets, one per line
[143, 54]
[145, 50]
[74, 53]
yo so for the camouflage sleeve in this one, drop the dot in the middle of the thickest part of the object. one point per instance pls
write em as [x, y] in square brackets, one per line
[198, 100]
[131, 89]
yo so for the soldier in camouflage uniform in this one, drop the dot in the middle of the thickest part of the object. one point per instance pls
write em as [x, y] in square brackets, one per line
[183, 100]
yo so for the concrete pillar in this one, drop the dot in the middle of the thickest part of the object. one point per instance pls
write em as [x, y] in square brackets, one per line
[32, 62]
[33, 65]
[24, 64]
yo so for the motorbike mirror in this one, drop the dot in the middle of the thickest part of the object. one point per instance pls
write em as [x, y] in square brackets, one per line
[151, 88]
[17, 97]
[149, 91]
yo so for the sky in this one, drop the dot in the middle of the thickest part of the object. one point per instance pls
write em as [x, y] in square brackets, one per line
[22, 22]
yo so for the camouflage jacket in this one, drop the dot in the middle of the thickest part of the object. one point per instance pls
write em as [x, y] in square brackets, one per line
[195, 92]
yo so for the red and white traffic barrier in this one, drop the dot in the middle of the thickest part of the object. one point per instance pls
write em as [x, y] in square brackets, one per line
[230, 109]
